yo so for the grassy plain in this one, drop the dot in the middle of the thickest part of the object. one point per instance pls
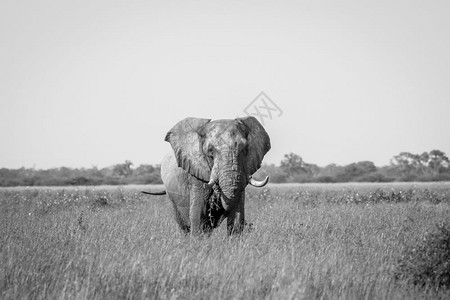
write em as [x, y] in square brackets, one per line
[324, 241]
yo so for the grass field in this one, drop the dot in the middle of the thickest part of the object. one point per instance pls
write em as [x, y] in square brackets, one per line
[335, 241]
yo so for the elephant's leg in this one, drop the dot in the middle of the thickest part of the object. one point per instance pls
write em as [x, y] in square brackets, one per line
[184, 226]
[236, 217]
[197, 198]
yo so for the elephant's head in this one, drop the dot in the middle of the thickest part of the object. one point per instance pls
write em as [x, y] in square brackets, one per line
[224, 153]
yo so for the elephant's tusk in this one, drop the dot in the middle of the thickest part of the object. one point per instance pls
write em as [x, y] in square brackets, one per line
[258, 183]
[212, 180]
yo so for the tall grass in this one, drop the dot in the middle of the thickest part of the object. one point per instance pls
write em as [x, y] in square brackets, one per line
[308, 241]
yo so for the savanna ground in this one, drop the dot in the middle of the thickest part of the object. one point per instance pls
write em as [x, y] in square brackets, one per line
[335, 241]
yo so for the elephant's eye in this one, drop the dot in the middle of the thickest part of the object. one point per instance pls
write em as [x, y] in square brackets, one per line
[245, 151]
[210, 151]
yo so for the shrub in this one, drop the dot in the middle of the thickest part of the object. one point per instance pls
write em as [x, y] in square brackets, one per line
[428, 263]
[100, 201]
[374, 177]
[325, 179]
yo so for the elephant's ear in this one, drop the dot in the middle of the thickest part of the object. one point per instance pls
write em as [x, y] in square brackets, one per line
[187, 142]
[258, 143]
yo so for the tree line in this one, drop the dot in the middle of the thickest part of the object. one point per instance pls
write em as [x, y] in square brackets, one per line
[428, 166]
[119, 174]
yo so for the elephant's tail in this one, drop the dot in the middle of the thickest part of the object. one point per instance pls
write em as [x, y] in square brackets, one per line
[154, 193]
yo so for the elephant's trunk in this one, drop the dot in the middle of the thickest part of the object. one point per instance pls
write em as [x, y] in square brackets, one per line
[232, 182]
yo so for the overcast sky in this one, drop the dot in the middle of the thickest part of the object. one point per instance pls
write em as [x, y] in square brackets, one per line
[93, 83]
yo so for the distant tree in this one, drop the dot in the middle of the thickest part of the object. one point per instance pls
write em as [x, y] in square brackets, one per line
[422, 163]
[144, 170]
[312, 169]
[408, 165]
[123, 170]
[145, 174]
[277, 175]
[438, 162]
[94, 172]
[352, 171]
[65, 172]
[424, 167]
[331, 170]
[328, 173]
[365, 167]
[293, 164]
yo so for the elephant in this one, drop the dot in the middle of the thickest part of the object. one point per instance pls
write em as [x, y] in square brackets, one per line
[206, 174]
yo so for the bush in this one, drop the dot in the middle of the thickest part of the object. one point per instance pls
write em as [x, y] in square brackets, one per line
[325, 179]
[407, 178]
[428, 263]
[374, 177]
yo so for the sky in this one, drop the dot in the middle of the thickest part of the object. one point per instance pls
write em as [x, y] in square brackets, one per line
[95, 83]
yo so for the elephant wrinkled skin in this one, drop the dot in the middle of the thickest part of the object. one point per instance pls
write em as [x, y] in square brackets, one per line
[211, 164]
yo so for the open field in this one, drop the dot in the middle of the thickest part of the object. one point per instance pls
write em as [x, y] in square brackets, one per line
[328, 241]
